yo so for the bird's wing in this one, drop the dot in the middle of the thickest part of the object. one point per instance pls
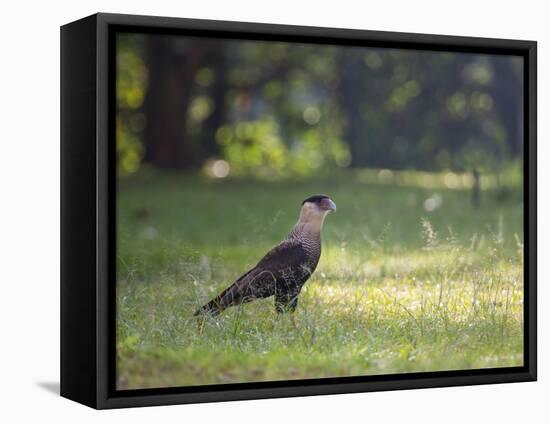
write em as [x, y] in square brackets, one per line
[288, 254]
[261, 280]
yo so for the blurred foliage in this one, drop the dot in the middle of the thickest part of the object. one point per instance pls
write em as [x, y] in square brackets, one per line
[131, 84]
[275, 110]
[256, 147]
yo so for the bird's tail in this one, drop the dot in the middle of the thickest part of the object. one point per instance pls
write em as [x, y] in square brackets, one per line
[212, 308]
[231, 296]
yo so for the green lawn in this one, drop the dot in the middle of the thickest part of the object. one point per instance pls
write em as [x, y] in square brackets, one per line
[398, 288]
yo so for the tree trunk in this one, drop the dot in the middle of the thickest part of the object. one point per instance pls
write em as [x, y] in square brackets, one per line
[508, 103]
[351, 97]
[173, 65]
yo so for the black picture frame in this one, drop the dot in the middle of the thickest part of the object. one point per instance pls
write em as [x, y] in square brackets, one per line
[88, 192]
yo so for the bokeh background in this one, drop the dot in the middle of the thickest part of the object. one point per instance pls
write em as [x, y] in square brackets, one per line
[278, 110]
[219, 141]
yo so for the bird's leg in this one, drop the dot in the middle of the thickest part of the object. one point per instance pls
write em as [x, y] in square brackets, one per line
[293, 321]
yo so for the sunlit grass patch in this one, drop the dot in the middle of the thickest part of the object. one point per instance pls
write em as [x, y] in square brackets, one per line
[397, 289]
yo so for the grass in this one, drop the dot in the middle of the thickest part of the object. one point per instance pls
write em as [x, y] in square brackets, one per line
[398, 288]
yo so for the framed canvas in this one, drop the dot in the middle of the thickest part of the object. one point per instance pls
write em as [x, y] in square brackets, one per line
[259, 211]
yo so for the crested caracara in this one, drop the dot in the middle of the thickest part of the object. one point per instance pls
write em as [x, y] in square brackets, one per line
[282, 271]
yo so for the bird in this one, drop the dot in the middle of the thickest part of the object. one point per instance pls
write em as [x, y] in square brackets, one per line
[284, 270]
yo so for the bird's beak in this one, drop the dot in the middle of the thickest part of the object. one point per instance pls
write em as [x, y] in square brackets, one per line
[331, 205]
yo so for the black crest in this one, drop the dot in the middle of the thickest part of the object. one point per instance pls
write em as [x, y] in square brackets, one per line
[315, 199]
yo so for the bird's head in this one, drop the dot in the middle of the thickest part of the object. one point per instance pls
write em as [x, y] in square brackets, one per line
[320, 202]
[316, 207]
